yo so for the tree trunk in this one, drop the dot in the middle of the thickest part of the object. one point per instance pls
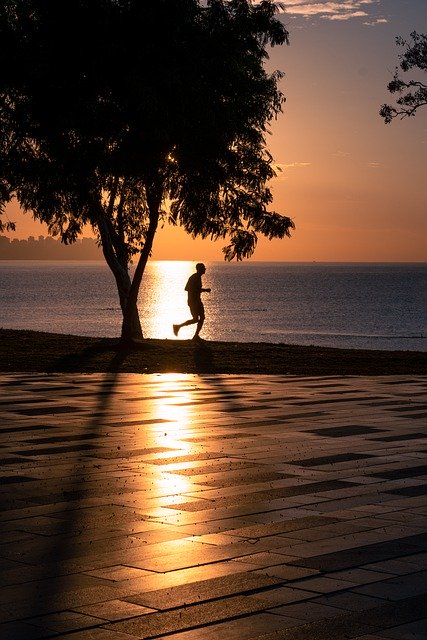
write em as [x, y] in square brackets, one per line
[128, 330]
[131, 324]
[128, 288]
[123, 282]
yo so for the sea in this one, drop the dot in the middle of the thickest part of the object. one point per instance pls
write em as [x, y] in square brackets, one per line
[346, 305]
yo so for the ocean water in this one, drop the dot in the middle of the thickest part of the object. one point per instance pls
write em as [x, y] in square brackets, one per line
[373, 306]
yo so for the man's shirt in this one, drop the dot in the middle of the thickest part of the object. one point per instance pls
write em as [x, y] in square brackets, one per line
[194, 287]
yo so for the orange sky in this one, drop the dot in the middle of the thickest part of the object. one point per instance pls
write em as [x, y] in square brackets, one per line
[355, 187]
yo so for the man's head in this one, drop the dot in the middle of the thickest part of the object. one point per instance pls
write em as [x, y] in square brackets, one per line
[200, 268]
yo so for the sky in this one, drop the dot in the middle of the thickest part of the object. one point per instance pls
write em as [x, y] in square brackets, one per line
[354, 186]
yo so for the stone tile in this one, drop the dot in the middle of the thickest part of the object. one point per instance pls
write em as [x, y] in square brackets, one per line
[412, 631]
[22, 631]
[397, 587]
[100, 634]
[349, 601]
[332, 459]
[415, 519]
[346, 626]
[369, 636]
[344, 431]
[195, 557]
[397, 613]
[288, 572]
[418, 559]
[354, 624]
[283, 595]
[115, 610]
[323, 584]
[156, 581]
[64, 621]
[359, 576]
[204, 590]
[307, 611]
[417, 490]
[276, 528]
[358, 556]
[404, 472]
[189, 617]
[15, 479]
[118, 573]
[264, 559]
[397, 567]
[404, 436]
[267, 495]
[245, 628]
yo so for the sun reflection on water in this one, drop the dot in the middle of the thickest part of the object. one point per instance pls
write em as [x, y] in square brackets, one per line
[162, 300]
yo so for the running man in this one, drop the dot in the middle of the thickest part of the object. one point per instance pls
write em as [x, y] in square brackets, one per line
[194, 289]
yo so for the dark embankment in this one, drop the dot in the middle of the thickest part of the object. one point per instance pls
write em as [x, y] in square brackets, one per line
[47, 352]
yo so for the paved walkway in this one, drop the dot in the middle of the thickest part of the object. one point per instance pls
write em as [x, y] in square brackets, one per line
[213, 507]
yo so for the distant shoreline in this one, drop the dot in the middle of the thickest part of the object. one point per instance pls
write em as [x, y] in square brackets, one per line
[100, 258]
[33, 351]
[48, 248]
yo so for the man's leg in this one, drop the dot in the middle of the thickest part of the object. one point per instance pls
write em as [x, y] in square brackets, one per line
[200, 321]
[194, 319]
[177, 327]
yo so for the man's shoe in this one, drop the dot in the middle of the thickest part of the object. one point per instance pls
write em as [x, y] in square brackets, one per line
[175, 329]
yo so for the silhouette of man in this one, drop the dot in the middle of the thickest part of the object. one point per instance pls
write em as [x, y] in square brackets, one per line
[194, 289]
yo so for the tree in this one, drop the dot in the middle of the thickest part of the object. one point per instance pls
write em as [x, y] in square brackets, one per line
[125, 115]
[8, 225]
[413, 93]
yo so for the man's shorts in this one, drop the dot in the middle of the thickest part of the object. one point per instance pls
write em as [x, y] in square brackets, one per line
[197, 309]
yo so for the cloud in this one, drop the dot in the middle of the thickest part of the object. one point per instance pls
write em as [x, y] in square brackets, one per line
[282, 169]
[346, 16]
[373, 23]
[341, 154]
[328, 10]
[280, 166]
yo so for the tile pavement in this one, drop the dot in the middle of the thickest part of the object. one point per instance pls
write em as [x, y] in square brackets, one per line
[207, 507]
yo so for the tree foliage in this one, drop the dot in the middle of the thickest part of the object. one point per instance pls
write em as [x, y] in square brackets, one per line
[412, 93]
[125, 115]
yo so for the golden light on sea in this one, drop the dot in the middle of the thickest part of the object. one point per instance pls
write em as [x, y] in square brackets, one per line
[162, 300]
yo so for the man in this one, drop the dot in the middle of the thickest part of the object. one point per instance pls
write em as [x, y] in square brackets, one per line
[194, 289]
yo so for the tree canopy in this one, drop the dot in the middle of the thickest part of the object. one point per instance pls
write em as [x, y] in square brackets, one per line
[412, 93]
[124, 114]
